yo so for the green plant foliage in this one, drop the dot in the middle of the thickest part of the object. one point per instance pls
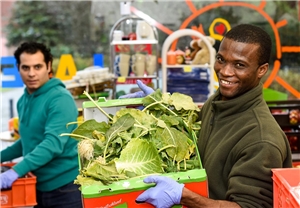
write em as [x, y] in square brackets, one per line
[30, 22]
[82, 63]
[160, 138]
[64, 26]
[139, 157]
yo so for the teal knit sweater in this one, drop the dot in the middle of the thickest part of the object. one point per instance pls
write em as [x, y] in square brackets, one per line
[43, 116]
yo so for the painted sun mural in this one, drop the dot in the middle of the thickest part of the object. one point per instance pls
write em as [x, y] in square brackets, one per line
[220, 26]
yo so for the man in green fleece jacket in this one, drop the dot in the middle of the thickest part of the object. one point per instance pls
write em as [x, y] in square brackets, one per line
[240, 141]
[44, 110]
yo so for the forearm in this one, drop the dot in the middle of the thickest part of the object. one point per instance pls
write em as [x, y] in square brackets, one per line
[12, 152]
[191, 199]
[41, 155]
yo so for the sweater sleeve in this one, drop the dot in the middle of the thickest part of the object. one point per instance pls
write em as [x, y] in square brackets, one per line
[60, 111]
[12, 152]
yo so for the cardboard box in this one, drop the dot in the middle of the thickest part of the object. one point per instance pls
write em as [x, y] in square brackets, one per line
[285, 180]
[123, 193]
[22, 192]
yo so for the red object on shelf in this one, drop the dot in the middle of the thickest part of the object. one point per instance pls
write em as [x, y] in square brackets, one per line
[143, 48]
[132, 36]
[287, 115]
[137, 48]
[22, 192]
[296, 164]
[171, 58]
[129, 80]
[122, 48]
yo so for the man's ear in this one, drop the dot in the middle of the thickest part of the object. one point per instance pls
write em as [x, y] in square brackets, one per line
[50, 71]
[262, 70]
[49, 66]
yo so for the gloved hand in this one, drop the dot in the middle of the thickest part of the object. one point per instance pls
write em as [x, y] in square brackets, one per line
[7, 178]
[165, 194]
[145, 90]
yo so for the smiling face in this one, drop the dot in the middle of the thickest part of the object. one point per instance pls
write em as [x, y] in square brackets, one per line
[237, 68]
[33, 70]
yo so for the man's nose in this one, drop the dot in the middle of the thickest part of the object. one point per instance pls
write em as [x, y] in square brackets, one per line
[31, 72]
[226, 70]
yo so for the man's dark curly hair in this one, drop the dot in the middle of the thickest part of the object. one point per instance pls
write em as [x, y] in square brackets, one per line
[32, 48]
[247, 33]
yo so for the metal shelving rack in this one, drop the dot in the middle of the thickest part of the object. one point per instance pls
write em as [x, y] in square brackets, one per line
[170, 39]
[132, 42]
[282, 117]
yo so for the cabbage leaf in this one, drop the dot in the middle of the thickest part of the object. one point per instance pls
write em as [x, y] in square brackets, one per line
[160, 138]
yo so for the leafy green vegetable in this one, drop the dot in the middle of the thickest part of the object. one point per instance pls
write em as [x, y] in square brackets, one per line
[171, 136]
[122, 124]
[105, 172]
[160, 138]
[140, 157]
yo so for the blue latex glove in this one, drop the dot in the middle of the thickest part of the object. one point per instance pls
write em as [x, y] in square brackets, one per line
[7, 178]
[145, 90]
[165, 194]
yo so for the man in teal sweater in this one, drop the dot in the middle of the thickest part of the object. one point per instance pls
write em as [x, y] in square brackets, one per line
[240, 141]
[44, 110]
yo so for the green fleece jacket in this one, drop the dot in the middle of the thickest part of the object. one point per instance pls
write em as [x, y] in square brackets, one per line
[43, 116]
[240, 142]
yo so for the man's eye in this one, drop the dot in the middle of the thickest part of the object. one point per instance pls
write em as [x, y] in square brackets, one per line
[219, 58]
[37, 67]
[239, 65]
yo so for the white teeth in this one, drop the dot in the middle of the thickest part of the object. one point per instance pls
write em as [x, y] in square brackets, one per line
[225, 82]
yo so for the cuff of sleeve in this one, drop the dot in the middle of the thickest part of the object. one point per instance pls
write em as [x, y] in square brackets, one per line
[21, 168]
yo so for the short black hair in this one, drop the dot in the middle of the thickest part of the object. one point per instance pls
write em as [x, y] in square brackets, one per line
[32, 48]
[247, 33]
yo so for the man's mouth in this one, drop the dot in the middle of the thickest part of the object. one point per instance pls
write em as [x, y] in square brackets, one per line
[222, 81]
[32, 82]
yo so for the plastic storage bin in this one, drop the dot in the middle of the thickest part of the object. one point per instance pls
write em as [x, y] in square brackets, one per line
[22, 193]
[124, 192]
[284, 179]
